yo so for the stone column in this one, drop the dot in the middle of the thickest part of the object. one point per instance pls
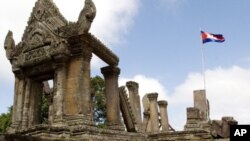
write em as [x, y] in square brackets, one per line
[200, 102]
[49, 97]
[51, 110]
[85, 85]
[164, 115]
[135, 100]
[145, 121]
[15, 104]
[59, 89]
[78, 103]
[112, 96]
[154, 118]
[20, 101]
[35, 103]
[25, 115]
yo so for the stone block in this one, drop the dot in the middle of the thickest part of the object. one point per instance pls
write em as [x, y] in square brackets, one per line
[200, 102]
[193, 113]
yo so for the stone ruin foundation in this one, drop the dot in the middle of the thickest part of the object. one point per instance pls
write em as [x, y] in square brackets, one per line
[53, 48]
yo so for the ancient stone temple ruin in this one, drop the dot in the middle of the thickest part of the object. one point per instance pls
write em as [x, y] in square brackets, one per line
[53, 48]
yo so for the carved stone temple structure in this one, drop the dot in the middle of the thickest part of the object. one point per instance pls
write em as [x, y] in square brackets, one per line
[53, 48]
[155, 120]
[198, 118]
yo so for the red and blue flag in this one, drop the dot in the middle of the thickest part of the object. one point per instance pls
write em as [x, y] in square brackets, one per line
[209, 37]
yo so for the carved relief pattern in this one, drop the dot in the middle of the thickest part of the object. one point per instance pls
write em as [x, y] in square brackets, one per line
[34, 54]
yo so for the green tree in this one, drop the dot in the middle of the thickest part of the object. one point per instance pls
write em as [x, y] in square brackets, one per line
[5, 120]
[44, 110]
[99, 101]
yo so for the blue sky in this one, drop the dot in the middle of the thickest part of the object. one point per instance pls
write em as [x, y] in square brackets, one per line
[166, 44]
[159, 46]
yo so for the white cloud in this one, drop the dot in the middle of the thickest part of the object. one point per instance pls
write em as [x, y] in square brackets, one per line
[147, 85]
[112, 20]
[227, 90]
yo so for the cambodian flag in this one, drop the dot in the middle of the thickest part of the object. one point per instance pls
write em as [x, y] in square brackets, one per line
[209, 37]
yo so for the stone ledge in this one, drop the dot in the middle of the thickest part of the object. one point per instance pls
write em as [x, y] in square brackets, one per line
[81, 132]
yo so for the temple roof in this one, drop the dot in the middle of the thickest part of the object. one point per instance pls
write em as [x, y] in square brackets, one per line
[46, 12]
[47, 29]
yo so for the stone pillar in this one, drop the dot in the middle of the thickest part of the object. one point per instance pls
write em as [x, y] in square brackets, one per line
[145, 121]
[17, 105]
[134, 99]
[78, 103]
[49, 97]
[20, 101]
[164, 115]
[85, 85]
[112, 96]
[35, 103]
[200, 102]
[51, 111]
[59, 89]
[154, 119]
[25, 115]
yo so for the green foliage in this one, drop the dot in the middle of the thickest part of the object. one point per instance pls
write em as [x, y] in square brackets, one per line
[44, 110]
[99, 101]
[5, 120]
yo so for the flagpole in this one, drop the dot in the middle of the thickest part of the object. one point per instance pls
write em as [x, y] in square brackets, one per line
[208, 37]
[203, 65]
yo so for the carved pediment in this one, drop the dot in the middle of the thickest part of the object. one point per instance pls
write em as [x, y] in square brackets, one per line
[41, 39]
[39, 35]
[45, 14]
[43, 10]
